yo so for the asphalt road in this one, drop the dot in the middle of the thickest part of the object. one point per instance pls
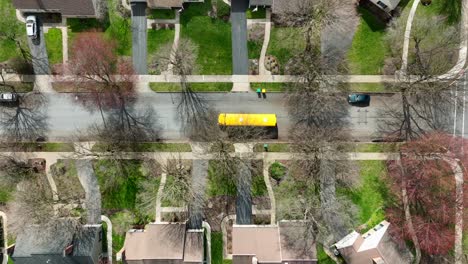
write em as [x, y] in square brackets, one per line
[240, 57]
[37, 46]
[67, 117]
[139, 37]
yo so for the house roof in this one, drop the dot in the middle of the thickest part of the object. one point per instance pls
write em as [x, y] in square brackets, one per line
[65, 7]
[261, 241]
[273, 243]
[164, 3]
[42, 240]
[355, 248]
[261, 2]
[165, 241]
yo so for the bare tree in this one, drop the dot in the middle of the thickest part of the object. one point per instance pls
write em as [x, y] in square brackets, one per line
[425, 101]
[26, 121]
[194, 112]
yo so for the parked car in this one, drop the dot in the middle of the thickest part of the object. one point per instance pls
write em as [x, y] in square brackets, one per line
[359, 99]
[8, 98]
[31, 26]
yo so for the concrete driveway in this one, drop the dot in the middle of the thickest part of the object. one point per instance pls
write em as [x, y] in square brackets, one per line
[40, 59]
[139, 37]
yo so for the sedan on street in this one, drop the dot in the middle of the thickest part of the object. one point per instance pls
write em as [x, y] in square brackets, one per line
[8, 98]
[359, 99]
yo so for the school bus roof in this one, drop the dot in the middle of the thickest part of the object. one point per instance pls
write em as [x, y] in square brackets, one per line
[260, 120]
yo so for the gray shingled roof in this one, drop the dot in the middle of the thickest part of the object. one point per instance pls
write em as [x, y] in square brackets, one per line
[65, 7]
[261, 2]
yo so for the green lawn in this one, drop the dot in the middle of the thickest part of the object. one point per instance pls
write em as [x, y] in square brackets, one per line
[260, 13]
[368, 50]
[20, 87]
[219, 184]
[322, 257]
[217, 249]
[162, 14]
[272, 147]
[270, 87]
[376, 147]
[41, 147]
[159, 38]
[213, 37]
[371, 195]
[465, 242]
[148, 147]
[285, 42]
[196, 87]
[367, 87]
[255, 49]
[8, 49]
[66, 178]
[53, 40]
[121, 194]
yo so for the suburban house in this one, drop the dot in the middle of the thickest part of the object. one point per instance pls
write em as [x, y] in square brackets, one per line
[166, 4]
[168, 243]
[38, 244]
[374, 247]
[66, 8]
[281, 243]
[383, 9]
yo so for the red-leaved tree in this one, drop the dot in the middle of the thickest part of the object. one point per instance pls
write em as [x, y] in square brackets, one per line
[424, 186]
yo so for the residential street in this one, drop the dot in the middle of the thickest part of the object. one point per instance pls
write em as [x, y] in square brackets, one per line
[67, 117]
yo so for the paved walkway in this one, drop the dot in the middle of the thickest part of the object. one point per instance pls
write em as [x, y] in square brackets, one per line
[106, 220]
[261, 63]
[409, 24]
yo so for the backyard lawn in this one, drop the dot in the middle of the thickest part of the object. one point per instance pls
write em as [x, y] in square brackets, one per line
[213, 37]
[196, 87]
[368, 50]
[285, 42]
[53, 40]
[371, 195]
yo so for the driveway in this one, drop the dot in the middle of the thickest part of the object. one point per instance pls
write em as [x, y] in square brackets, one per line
[90, 185]
[139, 37]
[37, 46]
[240, 57]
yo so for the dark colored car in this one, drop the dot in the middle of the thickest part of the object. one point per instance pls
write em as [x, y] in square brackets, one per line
[8, 98]
[359, 99]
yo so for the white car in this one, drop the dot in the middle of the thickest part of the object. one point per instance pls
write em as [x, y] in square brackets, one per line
[31, 27]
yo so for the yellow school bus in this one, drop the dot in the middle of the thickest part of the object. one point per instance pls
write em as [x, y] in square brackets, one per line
[266, 121]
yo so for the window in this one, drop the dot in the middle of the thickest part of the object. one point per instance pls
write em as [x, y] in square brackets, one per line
[384, 6]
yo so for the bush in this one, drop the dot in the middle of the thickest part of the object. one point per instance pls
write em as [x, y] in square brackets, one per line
[277, 171]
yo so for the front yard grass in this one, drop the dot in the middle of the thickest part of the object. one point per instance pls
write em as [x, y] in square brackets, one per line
[368, 50]
[285, 42]
[322, 257]
[196, 87]
[372, 193]
[53, 39]
[8, 49]
[147, 147]
[213, 37]
[19, 87]
[158, 39]
[162, 14]
[219, 184]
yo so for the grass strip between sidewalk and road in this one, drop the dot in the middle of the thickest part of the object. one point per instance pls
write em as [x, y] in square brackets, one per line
[40, 147]
[196, 87]
[147, 147]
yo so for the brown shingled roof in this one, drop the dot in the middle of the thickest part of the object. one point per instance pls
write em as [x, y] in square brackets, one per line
[165, 3]
[65, 7]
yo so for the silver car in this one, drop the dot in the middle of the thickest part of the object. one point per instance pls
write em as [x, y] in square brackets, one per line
[8, 98]
[31, 27]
